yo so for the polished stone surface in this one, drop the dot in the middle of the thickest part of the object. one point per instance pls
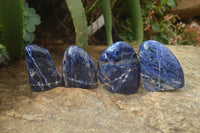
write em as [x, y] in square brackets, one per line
[78, 69]
[160, 69]
[41, 69]
[118, 68]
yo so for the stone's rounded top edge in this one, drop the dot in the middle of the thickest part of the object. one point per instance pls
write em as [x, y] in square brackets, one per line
[150, 42]
[31, 44]
[125, 44]
[31, 47]
[152, 45]
[120, 42]
[115, 45]
[116, 49]
[74, 48]
[75, 51]
[32, 50]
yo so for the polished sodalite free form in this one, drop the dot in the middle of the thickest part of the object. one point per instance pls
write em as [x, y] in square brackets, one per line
[41, 69]
[118, 68]
[160, 69]
[78, 69]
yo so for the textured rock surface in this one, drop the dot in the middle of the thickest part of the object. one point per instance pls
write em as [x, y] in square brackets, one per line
[97, 110]
[78, 69]
[118, 68]
[187, 8]
[160, 69]
[41, 69]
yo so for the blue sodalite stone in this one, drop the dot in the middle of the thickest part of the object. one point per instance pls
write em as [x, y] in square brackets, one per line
[159, 67]
[118, 68]
[78, 69]
[41, 69]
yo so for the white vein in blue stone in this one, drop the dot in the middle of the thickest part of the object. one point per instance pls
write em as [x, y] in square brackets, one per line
[37, 67]
[79, 81]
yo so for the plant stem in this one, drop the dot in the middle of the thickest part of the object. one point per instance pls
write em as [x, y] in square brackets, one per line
[95, 5]
[136, 18]
[108, 20]
[11, 19]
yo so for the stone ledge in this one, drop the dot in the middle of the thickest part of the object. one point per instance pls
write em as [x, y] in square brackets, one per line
[98, 110]
[187, 8]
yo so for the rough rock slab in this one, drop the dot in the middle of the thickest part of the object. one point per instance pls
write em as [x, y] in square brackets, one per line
[98, 110]
[187, 8]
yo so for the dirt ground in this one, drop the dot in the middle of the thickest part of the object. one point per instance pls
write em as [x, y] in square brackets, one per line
[98, 110]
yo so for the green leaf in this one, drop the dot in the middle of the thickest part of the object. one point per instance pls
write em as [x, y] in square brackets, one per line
[31, 20]
[31, 11]
[2, 46]
[5, 53]
[80, 22]
[26, 5]
[2, 59]
[163, 2]
[35, 19]
[30, 27]
[156, 27]
[164, 36]
[160, 12]
[149, 5]
[4, 56]
[32, 37]
[27, 20]
[171, 3]
[26, 36]
[26, 12]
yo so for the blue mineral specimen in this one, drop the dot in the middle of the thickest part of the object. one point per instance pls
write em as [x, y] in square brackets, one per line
[78, 69]
[41, 69]
[118, 68]
[160, 69]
